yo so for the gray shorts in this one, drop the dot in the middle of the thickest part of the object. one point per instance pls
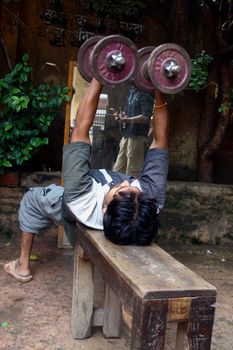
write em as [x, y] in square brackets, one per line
[40, 207]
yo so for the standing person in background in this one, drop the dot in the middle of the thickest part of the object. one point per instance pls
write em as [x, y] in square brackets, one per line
[135, 122]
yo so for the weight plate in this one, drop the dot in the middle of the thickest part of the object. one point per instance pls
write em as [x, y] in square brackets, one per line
[141, 78]
[84, 57]
[114, 60]
[162, 57]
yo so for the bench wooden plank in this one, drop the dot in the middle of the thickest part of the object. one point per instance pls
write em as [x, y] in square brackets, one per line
[149, 270]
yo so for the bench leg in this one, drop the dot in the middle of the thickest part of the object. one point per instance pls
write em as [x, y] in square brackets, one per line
[83, 296]
[149, 325]
[181, 336]
[112, 314]
[201, 323]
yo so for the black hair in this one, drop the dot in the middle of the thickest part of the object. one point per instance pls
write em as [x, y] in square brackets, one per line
[131, 218]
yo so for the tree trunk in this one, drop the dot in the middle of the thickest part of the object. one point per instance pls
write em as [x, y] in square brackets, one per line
[206, 128]
[209, 148]
[213, 124]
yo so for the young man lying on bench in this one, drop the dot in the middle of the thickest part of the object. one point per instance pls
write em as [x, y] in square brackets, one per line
[126, 208]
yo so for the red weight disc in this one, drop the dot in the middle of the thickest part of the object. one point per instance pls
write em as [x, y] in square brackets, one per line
[141, 78]
[84, 57]
[156, 65]
[103, 54]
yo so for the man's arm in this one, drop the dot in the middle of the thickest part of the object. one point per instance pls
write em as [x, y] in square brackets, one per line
[137, 119]
[160, 122]
[86, 112]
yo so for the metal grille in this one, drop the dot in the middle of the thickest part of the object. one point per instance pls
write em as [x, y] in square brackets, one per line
[99, 121]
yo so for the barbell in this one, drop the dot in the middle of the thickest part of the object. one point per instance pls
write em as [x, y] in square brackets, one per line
[115, 60]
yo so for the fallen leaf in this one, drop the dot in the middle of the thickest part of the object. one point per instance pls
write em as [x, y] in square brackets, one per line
[33, 257]
[4, 324]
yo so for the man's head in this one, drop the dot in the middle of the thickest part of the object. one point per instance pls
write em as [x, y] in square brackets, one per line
[130, 216]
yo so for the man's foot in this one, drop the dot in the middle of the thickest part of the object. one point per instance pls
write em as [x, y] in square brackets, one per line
[11, 269]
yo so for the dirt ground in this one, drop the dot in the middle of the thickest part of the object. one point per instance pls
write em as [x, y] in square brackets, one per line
[36, 315]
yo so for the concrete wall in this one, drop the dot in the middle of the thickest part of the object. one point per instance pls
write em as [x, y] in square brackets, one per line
[198, 212]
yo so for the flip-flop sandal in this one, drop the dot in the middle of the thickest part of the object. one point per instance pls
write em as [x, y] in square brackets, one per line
[10, 268]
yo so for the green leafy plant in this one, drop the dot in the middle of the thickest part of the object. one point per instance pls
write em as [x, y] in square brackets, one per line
[26, 112]
[200, 71]
[227, 107]
[224, 108]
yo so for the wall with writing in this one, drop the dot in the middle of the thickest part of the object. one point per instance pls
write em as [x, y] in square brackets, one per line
[53, 30]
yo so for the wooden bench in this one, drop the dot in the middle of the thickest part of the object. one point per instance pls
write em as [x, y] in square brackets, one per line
[149, 285]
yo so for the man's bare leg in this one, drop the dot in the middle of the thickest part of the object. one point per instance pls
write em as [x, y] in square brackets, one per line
[20, 268]
[23, 267]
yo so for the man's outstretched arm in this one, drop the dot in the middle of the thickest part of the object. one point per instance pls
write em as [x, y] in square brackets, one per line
[160, 122]
[86, 112]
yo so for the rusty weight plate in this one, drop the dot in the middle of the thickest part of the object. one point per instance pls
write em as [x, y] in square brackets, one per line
[114, 60]
[84, 54]
[141, 78]
[169, 68]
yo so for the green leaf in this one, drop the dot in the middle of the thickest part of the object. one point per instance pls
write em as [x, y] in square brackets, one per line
[8, 126]
[36, 142]
[27, 69]
[23, 77]
[4, 324]
[18, 67]
[6, 163]
[24, 101]
[65, 90]
[15, 91]
[15, 98]
[4, 84]
[67, 98]
[25, 57]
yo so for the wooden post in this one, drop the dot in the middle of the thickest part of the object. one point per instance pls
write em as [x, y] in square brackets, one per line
[181, 336]
[201, 323]
[112, 314]
[62, 241]
[149, 325]
[83, 296]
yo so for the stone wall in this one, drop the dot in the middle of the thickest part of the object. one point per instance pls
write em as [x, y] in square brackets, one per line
[200, 213]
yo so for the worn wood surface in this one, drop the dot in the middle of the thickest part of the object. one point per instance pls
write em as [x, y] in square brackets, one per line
[112, 314]
[181, 336]
[201, 323]
[149, 325]
[149, 271]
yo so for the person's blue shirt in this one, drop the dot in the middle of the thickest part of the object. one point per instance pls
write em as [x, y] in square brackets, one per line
[138, 103]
